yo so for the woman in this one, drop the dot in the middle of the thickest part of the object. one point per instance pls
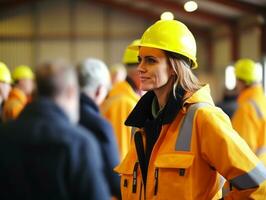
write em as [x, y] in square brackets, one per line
[182, 142]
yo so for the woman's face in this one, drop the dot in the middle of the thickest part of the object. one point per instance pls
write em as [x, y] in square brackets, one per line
[153, 68]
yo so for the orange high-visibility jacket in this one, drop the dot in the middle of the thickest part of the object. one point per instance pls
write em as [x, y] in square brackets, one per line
[14, 104]
[116, 108]
[249, 119]
[190, 156]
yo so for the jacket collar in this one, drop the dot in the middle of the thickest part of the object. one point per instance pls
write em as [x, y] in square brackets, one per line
[202, 95]
[44, 106]
[87, 101]
[18, 94]
[143, 110]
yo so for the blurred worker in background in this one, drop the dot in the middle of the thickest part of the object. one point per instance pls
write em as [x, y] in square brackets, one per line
[5, 85]
[118, 73]
[228, 103]
[43, 153]
[94, 80]
[121, 100]
[182, 142]
[20, 94]
[249, 119]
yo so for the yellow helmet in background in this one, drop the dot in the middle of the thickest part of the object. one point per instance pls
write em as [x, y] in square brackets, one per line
[246, 70]
[5, 75]
[170, 35]
[131, 55]
[22, 72]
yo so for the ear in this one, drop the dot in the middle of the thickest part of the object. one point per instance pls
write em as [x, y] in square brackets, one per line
[172, 71]
[100, 94]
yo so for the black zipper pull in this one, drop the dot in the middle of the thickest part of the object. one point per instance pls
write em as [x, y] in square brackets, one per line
[182, 172]
[135, 174]
[156, 181]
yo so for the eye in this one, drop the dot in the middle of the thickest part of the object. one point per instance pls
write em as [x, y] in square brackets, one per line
[139, 59]
[150, 60]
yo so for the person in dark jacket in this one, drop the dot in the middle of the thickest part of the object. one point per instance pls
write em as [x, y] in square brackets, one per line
[94, 79]
[43, 153]
[229, 102]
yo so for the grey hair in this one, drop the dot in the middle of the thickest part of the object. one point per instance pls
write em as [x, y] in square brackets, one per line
[92, 73]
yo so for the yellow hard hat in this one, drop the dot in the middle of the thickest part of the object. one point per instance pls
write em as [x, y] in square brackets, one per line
[246, 70]
[131, 55]
[5, 75]
[173, 36]
[22, 72]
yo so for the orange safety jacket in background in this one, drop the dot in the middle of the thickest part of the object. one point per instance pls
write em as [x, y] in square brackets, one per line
[120, 102]
[249, 119]
[14, 104]
[189, 155]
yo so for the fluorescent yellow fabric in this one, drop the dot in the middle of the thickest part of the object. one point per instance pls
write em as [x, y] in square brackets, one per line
[215, 147]
[14, 104]
[116, 108]
[246, 121]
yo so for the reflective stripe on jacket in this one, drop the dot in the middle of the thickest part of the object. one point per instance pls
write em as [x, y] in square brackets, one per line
[116, 108]
[249, 119]
[189, 156]
[15, 103]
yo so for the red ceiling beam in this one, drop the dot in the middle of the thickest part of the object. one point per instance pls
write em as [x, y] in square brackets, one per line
[173, 6]
[243, 6]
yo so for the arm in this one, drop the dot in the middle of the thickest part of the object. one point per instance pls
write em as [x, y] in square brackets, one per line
[229, 154]
[243, 122]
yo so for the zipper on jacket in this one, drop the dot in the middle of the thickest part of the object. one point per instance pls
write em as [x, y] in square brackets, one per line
[125, 183]
[156, 181]
[140, 193]
[135, 174]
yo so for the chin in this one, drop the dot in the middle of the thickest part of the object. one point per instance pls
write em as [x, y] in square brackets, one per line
[146, 88]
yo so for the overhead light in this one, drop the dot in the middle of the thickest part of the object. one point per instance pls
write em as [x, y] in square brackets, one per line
[190, 6]
[167, 16]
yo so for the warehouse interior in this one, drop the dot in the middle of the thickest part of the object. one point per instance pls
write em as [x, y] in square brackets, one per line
[34, 31]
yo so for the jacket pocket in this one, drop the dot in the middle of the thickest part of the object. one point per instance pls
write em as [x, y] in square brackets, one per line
[130, 179]
[172, 176]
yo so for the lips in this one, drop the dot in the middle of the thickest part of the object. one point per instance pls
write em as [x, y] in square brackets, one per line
[142, 78]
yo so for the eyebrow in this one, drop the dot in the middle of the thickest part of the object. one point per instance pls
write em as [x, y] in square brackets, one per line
[149, 56]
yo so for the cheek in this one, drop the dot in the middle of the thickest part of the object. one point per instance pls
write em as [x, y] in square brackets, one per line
[162, 77]
[5, 91]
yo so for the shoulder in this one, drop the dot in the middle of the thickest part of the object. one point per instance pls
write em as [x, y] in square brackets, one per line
[210, 116]
[95, 123]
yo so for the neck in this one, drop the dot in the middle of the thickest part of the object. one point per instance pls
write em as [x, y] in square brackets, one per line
[163, 92]
[67, 106]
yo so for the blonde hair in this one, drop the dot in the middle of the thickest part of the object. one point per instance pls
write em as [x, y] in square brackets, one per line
[185, 78]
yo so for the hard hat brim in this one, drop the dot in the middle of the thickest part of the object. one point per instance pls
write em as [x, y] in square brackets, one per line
[136, 47]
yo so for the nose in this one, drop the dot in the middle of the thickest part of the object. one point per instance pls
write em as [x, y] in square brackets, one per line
[141, 67]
